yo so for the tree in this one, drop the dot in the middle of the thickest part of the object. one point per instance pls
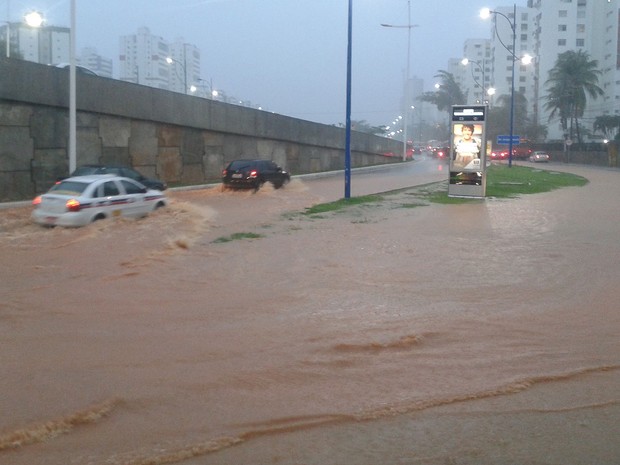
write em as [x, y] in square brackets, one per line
[447, 94]
[498, 119]
[609, 125]
[573, 78]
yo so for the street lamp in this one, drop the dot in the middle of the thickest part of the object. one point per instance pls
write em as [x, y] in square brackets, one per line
[171, 60]
[209, 84]
[408, 26]
[484, 14]
[33, 19]
[465, 62]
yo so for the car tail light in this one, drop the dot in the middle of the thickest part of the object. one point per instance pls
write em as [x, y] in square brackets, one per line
[253, 173]
[223, 172]
[73, 205]
[36, 201]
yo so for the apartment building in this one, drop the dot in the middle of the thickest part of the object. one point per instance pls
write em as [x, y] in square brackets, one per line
[475, 75]
[46, 44]
[588, 25]
[92, 60]
[142, 59]
[545, 29]
[150, 60]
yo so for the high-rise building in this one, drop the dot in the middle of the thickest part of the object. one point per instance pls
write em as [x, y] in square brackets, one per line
[142, 59]
[588, 25]
[47, 44]
[185, 65]
[150, 60]
[504, 56]
[544, 30]
[95, 62]
[475, 76]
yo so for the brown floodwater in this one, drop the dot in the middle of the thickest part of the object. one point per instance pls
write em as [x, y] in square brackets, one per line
[395, 332]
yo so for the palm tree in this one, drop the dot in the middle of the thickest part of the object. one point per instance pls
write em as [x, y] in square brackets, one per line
[448, 93]
[608, 125]
[573, 78]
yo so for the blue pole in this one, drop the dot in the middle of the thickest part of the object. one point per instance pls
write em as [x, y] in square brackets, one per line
[512, 92]
[347, 149]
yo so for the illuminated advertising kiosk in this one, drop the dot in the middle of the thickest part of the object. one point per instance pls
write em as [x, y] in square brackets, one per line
[468, 151]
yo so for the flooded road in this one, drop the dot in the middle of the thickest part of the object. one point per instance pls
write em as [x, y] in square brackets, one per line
[396, 332]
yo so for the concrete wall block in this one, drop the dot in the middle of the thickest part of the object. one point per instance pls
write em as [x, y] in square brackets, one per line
[115, 156]
[16, 148]
[213, 139]
[169, 136]
[87, 120]
[88, 146]
[244, 119]
[47, 166]
[193, 147]
[50, 127]
[16, 185]
[236, 147]
[143, 143]
[170, 164]
[114, 132]
[15, 115]
[213, 163]
[193, 174]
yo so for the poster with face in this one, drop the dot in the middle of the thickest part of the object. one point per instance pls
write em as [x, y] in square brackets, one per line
[466, 147]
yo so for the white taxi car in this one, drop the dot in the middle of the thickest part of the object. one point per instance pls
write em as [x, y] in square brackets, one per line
[80, 200]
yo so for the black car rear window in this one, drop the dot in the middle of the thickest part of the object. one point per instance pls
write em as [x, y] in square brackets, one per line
[86, 170]
[242, 164]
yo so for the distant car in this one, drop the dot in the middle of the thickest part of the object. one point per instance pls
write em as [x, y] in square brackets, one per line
[253, 174]
[499, 154]
[80, 200]
[539, 156]
[124, 171]
[521, 153]
[78, 69]
[442, 153]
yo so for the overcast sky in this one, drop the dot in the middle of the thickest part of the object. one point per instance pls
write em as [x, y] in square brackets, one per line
[289, 56]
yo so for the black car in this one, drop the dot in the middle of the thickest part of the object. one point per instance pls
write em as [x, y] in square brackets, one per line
[124, 171]
[253, 174]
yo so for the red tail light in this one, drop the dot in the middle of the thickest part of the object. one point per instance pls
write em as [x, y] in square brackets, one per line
[253, 173]
[223, 172]
[73, 205]
[36, 201]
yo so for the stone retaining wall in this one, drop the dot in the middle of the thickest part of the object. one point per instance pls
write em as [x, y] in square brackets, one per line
[181, 139]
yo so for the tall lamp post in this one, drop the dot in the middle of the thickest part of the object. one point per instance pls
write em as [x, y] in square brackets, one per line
[8, 28]
[408, 26]
[72, 95]
[171, 60]
[347, 142]
[485, 13]
[465, 62]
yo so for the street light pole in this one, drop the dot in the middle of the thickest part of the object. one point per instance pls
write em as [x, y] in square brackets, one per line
[513, 26]
[408, 26]
[72, 95]
[465, 62]
[8, 28]
[347, 144]
[512, 90]
[171, 60]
